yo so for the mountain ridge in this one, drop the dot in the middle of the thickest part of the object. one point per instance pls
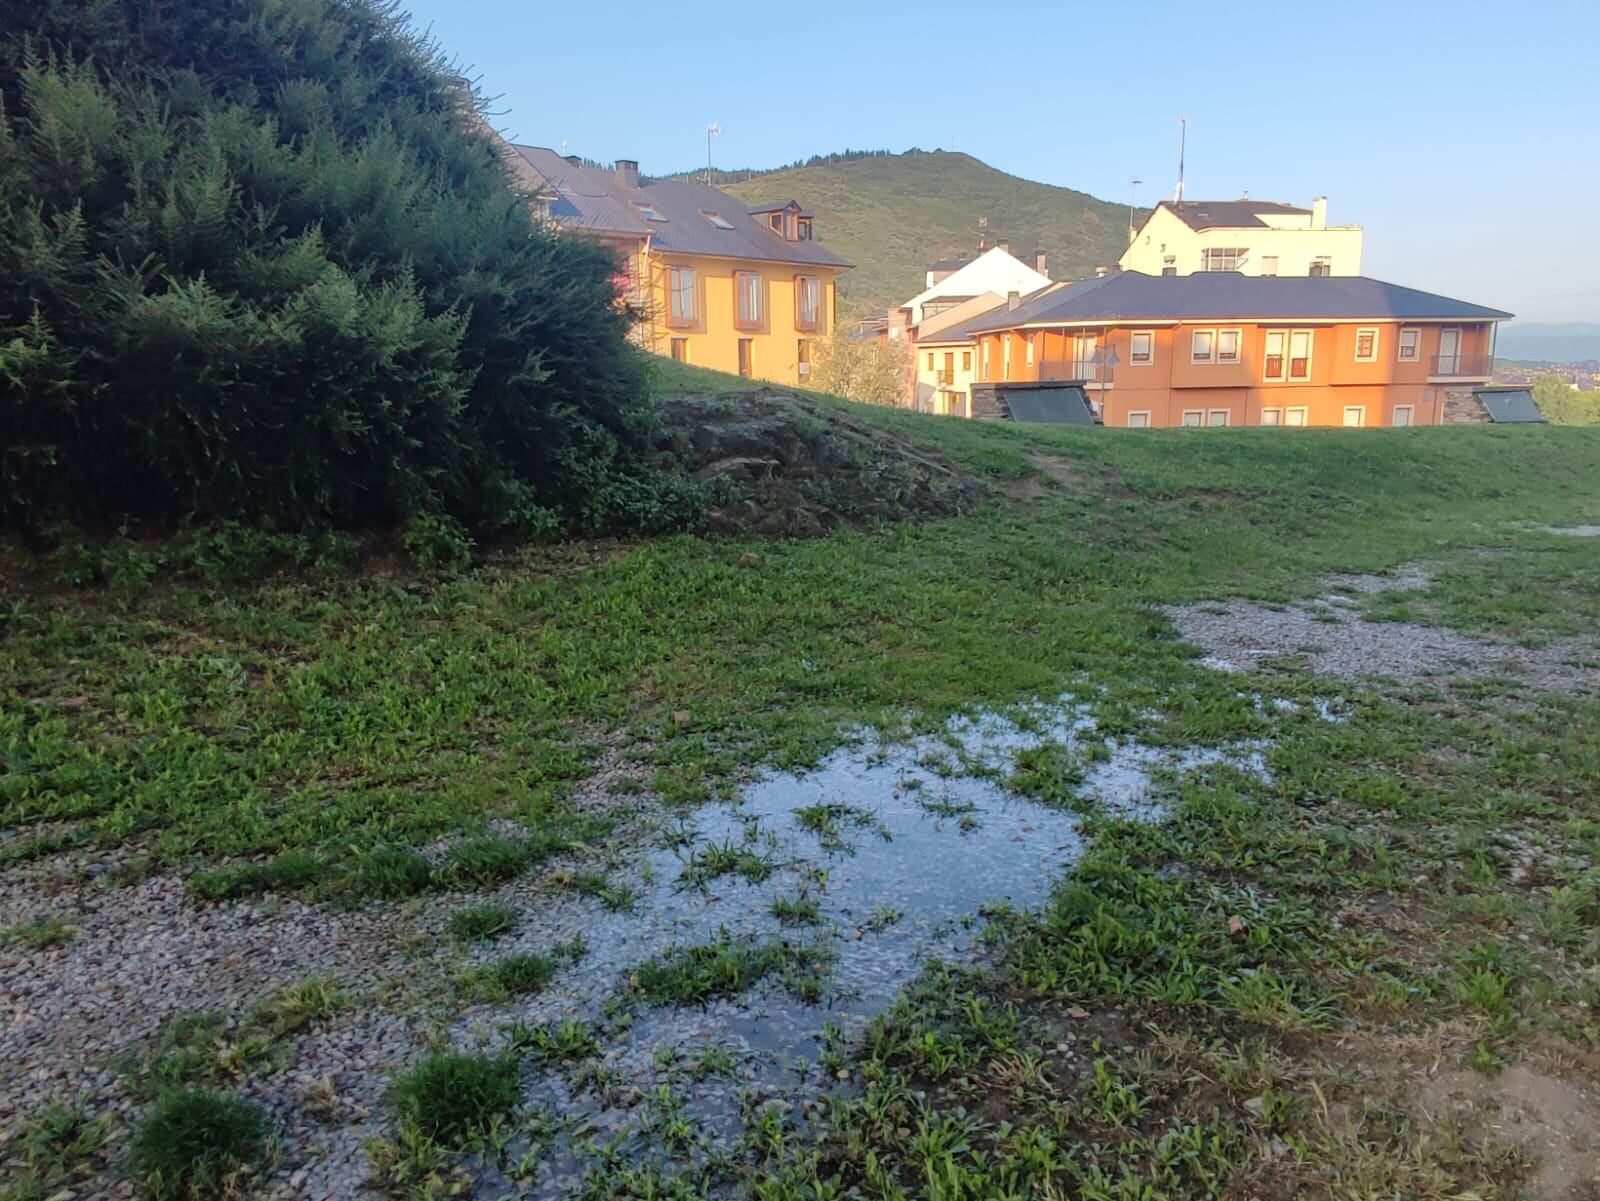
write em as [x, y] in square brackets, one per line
[891, 214]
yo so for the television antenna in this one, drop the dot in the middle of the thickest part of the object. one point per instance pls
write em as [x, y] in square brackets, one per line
[1133, 201]
[1183, 145]
[712, 131]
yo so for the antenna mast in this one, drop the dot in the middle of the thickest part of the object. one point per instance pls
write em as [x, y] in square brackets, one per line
[1183, 145]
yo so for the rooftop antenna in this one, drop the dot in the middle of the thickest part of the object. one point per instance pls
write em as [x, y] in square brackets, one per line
[1133, 201]
[712, 131]
[1183, 145]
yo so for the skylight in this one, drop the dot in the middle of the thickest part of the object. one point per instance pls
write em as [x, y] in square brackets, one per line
[717, 222]
[647, 212]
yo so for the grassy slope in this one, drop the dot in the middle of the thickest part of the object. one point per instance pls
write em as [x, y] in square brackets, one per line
[1381, 929]
[893, 215]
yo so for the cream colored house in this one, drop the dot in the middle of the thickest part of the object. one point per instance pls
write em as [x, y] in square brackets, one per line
[1251, 237]
[944, 358]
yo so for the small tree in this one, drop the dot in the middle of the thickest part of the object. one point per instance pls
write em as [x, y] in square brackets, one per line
[1561, 404]
[871, 370]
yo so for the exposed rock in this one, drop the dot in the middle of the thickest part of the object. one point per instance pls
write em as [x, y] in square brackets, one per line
[785, 466]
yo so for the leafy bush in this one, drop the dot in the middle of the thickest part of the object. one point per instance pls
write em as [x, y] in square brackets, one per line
[194, 1142]
[262, 260]
[455, 1098]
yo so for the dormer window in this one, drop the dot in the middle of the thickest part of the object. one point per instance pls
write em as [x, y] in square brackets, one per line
[776, 221]
[805, 229]
[716, 221]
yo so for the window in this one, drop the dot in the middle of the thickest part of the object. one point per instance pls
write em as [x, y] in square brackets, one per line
[1402, 416]
[1028, 350]
[1410, 344]
[1287, 355]
[802, 355]
[1169, 271]
[805, 229]
[1203, 346]
[1217, 417]
[746, 353]
[948, 375]
[1005, 353]
[1141, 348]
[680, 296]
[930, 360]
[747, 291]
[1366, 346]
[715, 220]
[1193, 417]
[1269, 264]
[1295, 417]
[775, 220]
[680, 350]
[1228, 259]
[1271, 416]
[648, 213]
[808, 302]
[1300, 354]
[1355, 416]
[966, 360]
[1139, 421]
[1322, 265]
[1227, 346]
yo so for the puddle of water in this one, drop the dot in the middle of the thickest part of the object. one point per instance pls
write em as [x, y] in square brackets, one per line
[1574, 531]
[930, 838]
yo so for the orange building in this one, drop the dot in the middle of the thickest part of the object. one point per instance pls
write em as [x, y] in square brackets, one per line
[1226, 349]
[736, 289]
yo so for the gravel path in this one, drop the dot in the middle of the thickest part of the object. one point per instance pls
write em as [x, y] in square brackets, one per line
[1330, 634]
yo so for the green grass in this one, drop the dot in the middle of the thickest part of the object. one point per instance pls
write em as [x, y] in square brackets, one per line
[1248, 989]
[195, 1144]
[481, 923]
[40, 933]
[455, 1099]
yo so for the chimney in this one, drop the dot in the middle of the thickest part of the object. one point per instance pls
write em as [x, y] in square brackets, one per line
[1013, 299]
[628, 172]
[1319, 213]
[1004, 244]
[1041, 263]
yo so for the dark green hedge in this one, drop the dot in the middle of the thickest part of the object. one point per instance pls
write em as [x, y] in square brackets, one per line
[260, 260]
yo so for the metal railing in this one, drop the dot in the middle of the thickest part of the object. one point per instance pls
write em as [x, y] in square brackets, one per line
[1462, 366]
[945, 378]
[1069, 369]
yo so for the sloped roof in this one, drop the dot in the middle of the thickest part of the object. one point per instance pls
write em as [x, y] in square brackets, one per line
[1510, 406]
[594, 200]
[1229, 214]
[1227, 295]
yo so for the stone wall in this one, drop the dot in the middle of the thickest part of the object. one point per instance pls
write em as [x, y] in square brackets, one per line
[1462, 407]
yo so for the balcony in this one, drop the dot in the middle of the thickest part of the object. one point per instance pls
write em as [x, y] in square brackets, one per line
[1086, 370]
[1461, 366]
[945, 379]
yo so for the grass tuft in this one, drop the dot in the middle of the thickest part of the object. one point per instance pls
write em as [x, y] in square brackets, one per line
[480, 923]
[196, 1143]
[455, 1098]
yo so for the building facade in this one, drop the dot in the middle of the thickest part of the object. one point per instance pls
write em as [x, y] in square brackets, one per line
[717, 284]
[1250, 237]
[1232, 350]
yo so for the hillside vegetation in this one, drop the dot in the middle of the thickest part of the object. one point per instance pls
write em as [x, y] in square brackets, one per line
[259, 260]
[893, 214]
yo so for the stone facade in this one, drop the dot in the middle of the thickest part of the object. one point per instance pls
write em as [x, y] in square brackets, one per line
[1462, 406]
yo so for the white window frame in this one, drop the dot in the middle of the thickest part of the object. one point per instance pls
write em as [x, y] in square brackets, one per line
[1293, 412]
[1277, 417]
[1415, 334]
[1411, 416]
[1027, 354]
[1372, 355]
[1234, 255]
[1211, 418]
[1199, 421]
[1134, 359]
[1238, 346]
[1211, 346]
[1271, 270]
[1361, 417]
[1287, 368]
[1144, 419]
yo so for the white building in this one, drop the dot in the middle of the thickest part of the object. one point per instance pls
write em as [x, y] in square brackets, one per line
[996, 270]
[1252, 237]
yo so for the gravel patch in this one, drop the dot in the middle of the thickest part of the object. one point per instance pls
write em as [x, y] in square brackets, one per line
[1331, 637]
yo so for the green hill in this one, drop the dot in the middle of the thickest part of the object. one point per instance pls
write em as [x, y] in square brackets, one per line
[893, 214]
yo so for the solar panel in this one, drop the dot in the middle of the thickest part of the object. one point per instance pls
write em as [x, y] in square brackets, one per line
[1049, 406]
[1510, 406]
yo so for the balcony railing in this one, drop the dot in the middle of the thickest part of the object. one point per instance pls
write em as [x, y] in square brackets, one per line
[1069, 369]
[1462, 366]
[946, 378]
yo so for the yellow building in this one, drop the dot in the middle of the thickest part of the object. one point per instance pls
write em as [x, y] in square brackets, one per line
[1251, 237]
[717, 284]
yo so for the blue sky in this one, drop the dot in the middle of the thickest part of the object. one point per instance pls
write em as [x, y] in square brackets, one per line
[1465, 137]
